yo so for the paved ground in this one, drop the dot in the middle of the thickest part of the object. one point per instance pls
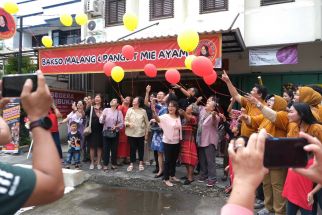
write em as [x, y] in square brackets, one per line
[196, 196]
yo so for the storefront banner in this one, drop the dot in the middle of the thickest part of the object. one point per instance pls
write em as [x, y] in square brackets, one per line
[11, 114]
[273, 56]
[64, 99]
[163, 53]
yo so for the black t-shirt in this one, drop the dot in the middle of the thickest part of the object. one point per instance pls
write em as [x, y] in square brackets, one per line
[16, 186]
[185, 102]
[148, 112]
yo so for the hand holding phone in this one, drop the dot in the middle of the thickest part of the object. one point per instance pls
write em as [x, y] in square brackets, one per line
[12, 84]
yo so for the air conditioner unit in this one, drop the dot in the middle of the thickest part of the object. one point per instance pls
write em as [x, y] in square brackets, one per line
[94, 7]
[95, 25]
[99, 38]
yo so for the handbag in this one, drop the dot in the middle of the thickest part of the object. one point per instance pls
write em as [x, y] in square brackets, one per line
[109, 133]
[88, 129]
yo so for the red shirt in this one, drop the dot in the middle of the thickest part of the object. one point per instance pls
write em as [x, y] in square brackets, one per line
[297, 187]
[52, 116]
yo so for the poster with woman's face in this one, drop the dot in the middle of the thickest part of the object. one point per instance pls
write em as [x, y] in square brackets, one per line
[7, 25]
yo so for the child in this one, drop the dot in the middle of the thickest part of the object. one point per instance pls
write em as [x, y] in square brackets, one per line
[74, 142]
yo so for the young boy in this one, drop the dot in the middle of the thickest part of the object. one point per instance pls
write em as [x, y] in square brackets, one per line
[74, 144]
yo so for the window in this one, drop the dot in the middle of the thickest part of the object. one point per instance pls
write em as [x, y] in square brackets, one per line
[209, 6]
[36, 40]
[81, 82]
[161, 9]
[114, 11]
[270, 2]
[69, 37]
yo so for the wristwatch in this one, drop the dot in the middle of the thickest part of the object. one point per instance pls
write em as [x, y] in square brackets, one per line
[43, 122]
[259, 106]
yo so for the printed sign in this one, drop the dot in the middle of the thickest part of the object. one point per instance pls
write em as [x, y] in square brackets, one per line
[11, 114]
[163, 54]
[64, 99]
[7, 25]
[273, 56]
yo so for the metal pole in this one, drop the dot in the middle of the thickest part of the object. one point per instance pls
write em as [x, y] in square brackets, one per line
[20, 46]
[157, 23]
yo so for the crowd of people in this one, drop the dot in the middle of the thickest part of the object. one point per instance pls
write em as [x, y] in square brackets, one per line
[192, 133]
[177, 130]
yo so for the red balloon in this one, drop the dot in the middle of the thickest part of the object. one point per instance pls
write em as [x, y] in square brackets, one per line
[210, 79]
[150, 70]
[202, 66]
[128, 52]
[108, 66]
[172, 76]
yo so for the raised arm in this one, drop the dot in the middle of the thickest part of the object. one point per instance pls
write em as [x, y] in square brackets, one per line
[232, 90]
[231, 104]
[154, 113]
[45, 160]
[184, 91]
[268, 113]
[147, 95]
[56, 111]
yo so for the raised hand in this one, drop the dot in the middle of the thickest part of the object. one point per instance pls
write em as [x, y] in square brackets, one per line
[251, 99]
[148, 89]
[225, 77]
[41, 99]
[314, 172]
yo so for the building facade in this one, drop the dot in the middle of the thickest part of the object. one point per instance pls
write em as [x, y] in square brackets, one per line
[260, 23]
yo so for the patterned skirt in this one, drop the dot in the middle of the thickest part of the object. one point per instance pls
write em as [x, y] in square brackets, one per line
[157, 144]
[188, 153]
[123, 148]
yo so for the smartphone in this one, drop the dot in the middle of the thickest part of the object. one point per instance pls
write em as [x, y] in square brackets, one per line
[12, 84]
[285, 152]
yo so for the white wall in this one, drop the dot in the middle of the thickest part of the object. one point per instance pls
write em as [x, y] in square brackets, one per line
[309, 59]
[186, 14]
[294, 22]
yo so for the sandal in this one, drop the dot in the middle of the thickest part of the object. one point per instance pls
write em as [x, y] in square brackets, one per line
[174, 179]
[168, 183]
[141, 167]
[129, 168]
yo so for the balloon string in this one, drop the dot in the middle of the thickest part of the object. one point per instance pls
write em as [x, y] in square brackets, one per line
[119, 90]
[117, 93]
[201, 91]
[132, 83]
[243, 92]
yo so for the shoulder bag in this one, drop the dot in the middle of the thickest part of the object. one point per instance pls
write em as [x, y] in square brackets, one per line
[109, 133]
[88, 129]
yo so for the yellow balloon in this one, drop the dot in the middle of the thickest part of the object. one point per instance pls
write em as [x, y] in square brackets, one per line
[10, 7]
[66, 19]
[188, 40]
[130, 21]
[117, 73]
[81, 19]
[188, 61]
[47, 41]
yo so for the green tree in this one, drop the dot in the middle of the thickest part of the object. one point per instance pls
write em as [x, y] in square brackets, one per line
[27, 65]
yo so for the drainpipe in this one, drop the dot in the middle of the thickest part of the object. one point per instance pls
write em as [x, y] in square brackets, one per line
[20, 46]
[318, 20]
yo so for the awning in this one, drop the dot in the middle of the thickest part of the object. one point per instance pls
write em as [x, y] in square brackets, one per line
[163, 52]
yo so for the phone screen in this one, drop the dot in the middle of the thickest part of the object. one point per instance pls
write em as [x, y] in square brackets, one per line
[285, 152]
[12, 84]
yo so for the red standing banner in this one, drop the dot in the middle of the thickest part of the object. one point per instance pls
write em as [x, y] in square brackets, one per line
[163, 53]
[64, 99]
